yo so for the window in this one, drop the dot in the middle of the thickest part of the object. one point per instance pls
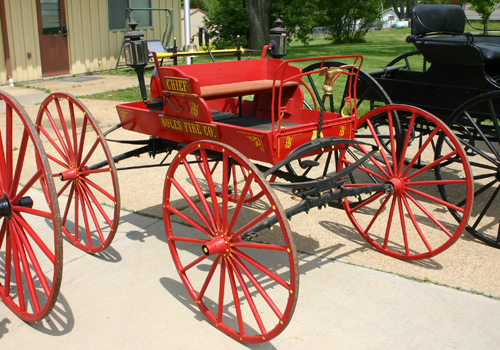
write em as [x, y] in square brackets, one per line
[51, 21]
[117, 12]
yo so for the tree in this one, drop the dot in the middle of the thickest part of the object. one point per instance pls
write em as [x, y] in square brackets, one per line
[402, 8]
[298, 23]
[228, 19]
[260, 22]
[485, 8]
[349, 21]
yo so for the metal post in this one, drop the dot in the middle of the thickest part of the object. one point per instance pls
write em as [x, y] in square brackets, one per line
[187, 26]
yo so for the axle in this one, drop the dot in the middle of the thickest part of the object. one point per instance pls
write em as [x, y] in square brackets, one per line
[330, 198]
[6, 208]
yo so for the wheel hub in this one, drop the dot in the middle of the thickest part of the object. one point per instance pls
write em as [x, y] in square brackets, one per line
[69, 175]
[398, 185]
[218, 245]
[5, 208]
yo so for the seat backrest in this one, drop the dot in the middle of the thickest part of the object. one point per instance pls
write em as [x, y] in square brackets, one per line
[446, 19]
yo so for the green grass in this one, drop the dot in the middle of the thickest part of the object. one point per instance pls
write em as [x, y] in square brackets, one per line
[128, 95]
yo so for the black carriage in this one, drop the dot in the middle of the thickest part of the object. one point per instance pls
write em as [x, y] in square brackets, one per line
[456, 76]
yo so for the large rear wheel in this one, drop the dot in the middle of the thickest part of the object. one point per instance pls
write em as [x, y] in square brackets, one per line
[30, 224]
[247, 289]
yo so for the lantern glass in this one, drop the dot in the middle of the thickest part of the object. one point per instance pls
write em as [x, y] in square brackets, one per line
[136, 53]
[127, 47]
[282, 49]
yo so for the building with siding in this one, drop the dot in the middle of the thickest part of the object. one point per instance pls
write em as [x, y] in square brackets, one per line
[43, 38]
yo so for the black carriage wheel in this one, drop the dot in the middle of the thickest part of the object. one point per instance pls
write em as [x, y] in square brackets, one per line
[476, 124]
[406, 58]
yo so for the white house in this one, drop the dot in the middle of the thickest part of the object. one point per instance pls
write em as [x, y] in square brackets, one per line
[196, 21]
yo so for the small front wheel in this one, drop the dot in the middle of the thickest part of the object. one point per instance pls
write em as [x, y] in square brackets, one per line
[413, 221]
[237, 259]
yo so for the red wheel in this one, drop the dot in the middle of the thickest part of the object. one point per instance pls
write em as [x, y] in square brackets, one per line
[87, 185]
[30, 229]
[412, 222]
[248, 290]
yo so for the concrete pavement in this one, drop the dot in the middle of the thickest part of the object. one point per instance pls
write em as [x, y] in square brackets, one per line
[130, 297]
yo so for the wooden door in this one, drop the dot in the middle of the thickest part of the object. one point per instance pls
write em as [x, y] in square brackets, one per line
[52, 33]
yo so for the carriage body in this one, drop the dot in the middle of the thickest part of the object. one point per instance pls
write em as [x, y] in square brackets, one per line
[255, 106]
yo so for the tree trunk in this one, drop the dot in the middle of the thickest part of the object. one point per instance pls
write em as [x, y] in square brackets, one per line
[486, 21]
[258, 11]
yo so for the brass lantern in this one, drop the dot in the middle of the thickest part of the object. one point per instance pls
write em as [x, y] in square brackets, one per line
[136, 55]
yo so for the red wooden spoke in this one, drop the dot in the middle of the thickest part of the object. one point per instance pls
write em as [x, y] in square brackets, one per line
[17, 269]
[382, 151]
[36, 212]
[236, 299]
[192, 205]
[420, 151]
[8, 261]
[382, 206]
[64, 188]
[3, 170]
[62, 154]
[415, 223]
[3, 229]
[71, 107]
[211, 188]
[60, 139]
[20, 164]
[222, 285]
[365, 202]
[430, 165]
[437, 200]
[85, 216]
[403, 226]
[366, 170]
[71, 195]
[48, 253]
[225, 191]
[190, 221]
[406, 144]
[26, 268]
[28, 185]
[377, 163]
[59, 162]
[96, 171]
[249, 298]
[258, 286]
[389, 222]
[209, 278]
[82, 142]
[62, 120]
[90, 153]
[188, 240]
[88, 204]
[94, 200]
[251, 223]
[200, 193]
[193, 263]
[430, 216]
[239, 205]
[262, 268]
[8, 146]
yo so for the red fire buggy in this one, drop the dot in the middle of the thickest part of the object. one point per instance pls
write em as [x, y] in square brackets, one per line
[239, 138]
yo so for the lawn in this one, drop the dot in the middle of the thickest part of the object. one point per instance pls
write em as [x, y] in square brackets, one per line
[378, 49]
